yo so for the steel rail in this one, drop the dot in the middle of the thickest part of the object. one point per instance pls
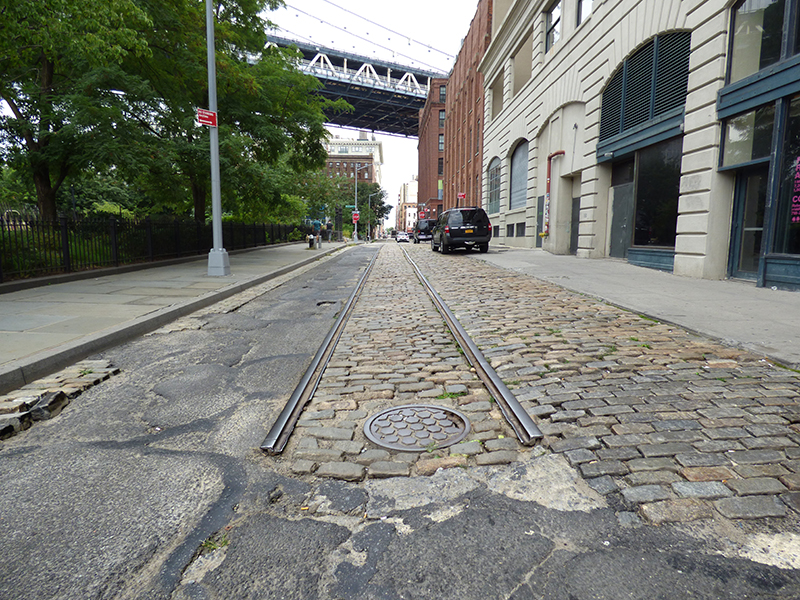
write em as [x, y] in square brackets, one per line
[521, 422]
[278, 436]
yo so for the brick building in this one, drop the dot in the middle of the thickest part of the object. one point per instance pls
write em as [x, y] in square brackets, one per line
[431, 150]
[346, 157]
[450, 152]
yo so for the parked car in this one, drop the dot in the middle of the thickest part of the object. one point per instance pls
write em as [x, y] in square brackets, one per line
[402, 236]
[462, 228]
[423, 230]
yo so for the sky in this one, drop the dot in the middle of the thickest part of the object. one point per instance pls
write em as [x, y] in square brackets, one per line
[426, 34]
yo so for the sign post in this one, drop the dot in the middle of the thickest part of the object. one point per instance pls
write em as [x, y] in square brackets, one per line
[218, 261]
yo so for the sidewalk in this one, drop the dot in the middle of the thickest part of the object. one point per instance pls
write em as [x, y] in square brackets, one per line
[43, 329]
[737, 313]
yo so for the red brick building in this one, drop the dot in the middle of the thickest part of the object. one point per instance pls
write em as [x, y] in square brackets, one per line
[463, 128]
[431, 151]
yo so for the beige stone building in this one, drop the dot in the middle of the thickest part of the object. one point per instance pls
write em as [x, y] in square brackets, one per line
[669, 129]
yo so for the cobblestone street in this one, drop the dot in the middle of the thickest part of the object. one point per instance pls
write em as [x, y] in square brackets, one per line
[667, 425]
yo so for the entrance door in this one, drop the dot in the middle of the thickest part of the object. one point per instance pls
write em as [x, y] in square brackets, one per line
[622, 220]
[748, 222]
[539, 220]
[575, 224]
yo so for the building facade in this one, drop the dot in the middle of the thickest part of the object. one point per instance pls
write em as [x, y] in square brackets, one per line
[431, 151]
[464, 115]
[360, 157]
[406, 216]
[665, 134]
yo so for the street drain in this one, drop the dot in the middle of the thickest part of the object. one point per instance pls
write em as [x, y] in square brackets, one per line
[417, 427]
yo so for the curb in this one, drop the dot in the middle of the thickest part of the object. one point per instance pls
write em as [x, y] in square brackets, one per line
[23, 371]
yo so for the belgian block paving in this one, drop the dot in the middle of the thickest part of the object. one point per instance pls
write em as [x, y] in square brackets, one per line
[672, 425]
[681, 427]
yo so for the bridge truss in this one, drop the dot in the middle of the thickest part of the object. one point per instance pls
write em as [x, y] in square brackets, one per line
[386, 97]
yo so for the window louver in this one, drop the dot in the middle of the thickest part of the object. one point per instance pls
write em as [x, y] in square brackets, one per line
[650, 83]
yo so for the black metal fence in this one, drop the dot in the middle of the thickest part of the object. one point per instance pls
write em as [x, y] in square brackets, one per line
[33, 247]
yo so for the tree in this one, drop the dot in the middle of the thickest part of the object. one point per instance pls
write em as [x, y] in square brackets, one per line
[51, 52]
[113, 85]
[270, 119]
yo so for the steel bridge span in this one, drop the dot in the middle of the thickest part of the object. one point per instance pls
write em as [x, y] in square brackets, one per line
[386, 97]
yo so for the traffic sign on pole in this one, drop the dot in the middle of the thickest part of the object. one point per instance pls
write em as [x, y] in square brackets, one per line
[207, 117]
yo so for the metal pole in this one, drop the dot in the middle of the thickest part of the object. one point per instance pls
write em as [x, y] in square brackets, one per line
[355, 203]
[218, 262]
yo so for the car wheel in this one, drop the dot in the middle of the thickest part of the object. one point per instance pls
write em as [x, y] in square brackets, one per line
[483, 248]
[445, 248]
[433, 246]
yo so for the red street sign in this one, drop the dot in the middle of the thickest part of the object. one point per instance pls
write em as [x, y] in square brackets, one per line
[207, 117]
[355, 217]
[462, 196]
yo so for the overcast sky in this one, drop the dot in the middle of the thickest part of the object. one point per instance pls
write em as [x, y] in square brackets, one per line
[425, 34]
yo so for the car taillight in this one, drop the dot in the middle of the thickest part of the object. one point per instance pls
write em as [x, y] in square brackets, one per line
[447, 228]
[490, 224]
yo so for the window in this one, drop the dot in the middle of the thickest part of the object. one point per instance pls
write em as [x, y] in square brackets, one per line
[441, 142]
[442, 93]
[553, 26]
[788, 217]
[497, 96]
[510, 230]
[657, 190]
[748, 136]
[520, 229]
[441, 166]
[441, 119]
[519, 177]
[584, 10]
[650, 84]
[494, 186]
[523, 63]
[756, 40]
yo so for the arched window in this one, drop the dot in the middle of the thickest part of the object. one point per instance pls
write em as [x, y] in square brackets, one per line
[519, 177]
[652, 83]
[494, 186]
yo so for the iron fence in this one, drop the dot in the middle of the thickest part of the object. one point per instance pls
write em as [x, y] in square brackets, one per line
[31, 247]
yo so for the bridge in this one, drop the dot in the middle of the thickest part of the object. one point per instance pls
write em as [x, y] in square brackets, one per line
[386, 97]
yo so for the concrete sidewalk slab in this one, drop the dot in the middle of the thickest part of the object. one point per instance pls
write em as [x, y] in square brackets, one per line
[46, 328]
[734, 312]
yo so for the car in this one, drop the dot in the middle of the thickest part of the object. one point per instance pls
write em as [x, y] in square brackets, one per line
[467, 227]
[423, 230]
[402, 236]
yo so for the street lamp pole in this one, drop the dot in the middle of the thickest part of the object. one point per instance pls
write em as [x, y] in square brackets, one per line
[355, 203]
[218, 261]
[369, 213]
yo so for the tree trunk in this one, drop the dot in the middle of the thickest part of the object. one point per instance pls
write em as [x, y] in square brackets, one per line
[45, 193]
[199, 197]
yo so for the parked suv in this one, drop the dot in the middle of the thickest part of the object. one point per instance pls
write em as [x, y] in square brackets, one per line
[462, 228]
[423, 230]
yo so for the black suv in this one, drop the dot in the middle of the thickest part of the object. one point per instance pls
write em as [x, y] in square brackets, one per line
[423, 230]
[462, 228]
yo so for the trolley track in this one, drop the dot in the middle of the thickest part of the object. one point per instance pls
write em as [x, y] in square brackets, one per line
[522, 424]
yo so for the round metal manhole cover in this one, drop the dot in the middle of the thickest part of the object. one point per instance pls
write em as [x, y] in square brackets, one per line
[417, 427]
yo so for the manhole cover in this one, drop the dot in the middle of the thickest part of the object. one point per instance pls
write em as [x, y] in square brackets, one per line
[414, 428]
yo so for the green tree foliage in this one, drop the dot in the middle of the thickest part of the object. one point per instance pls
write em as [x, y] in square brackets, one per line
[50, 51]
[110, 88]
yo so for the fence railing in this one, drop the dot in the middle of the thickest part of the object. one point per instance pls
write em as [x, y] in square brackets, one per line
[34, 247]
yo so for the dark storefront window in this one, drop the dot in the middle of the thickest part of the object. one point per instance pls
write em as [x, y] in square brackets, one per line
[748, 137]
[519, 177]
[494, 187]
[757, 33]
[657, 190]
[788, 218]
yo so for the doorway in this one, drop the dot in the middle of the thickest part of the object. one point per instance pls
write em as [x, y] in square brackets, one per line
[749, 202]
